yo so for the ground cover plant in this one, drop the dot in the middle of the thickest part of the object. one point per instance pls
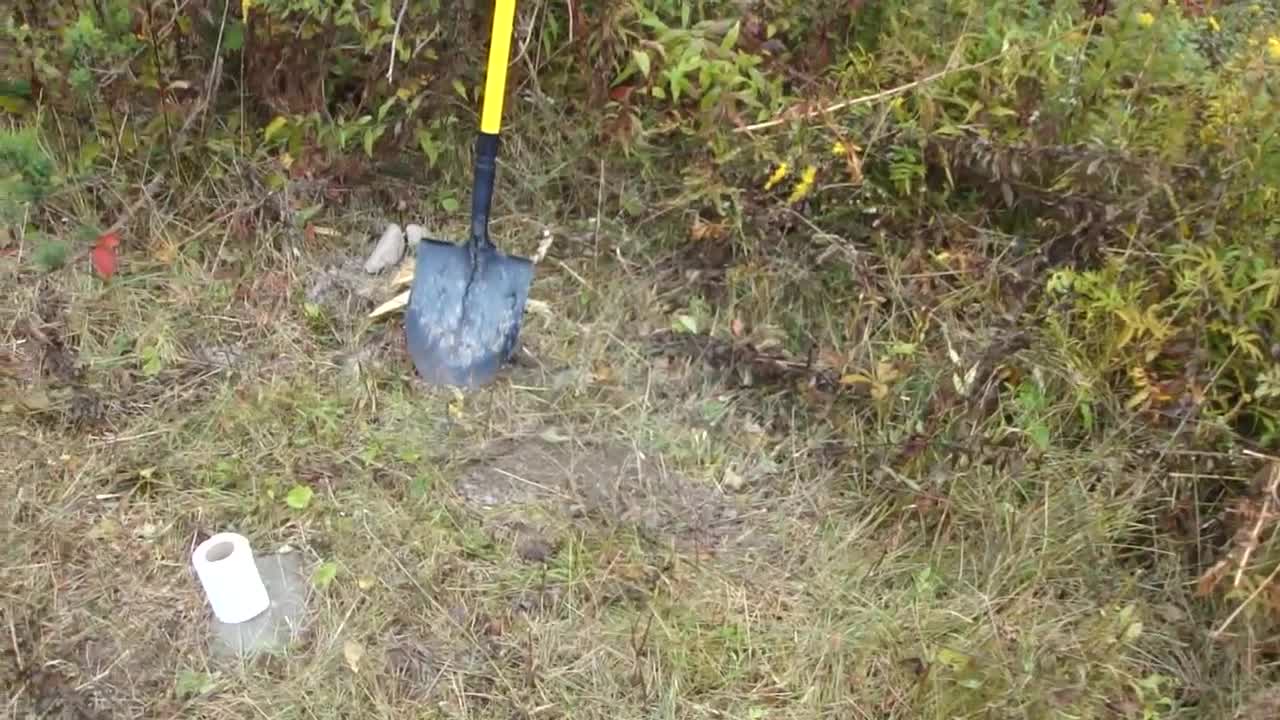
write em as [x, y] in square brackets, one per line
[888, 359]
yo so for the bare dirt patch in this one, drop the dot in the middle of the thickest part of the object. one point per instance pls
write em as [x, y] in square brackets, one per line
[609, 483]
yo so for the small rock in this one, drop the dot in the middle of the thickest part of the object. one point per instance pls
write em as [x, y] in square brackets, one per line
[534, 548]
[651, 520]
[414, 234]
[459, 615]
[387, 252]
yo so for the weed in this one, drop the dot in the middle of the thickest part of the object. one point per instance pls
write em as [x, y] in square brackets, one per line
[900, 359]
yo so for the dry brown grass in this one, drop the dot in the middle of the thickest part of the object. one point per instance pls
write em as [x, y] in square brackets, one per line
[623, 526]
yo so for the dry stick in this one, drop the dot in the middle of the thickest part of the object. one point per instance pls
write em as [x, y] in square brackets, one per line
[1264, 514]
[124, 217]
[865, 99]
[214, 79]
[164, 84]
[789, 115]
[121, 220]
[17, 651]
[1252, 596]
[395, 40]
[595, 235]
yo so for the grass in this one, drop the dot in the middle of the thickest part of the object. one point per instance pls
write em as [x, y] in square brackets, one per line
[632, 523]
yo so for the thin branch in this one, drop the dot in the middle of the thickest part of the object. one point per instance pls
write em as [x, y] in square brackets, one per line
[1252, 596]
[395, 40]
[792, 114]
[1265, 514]
[865, 99]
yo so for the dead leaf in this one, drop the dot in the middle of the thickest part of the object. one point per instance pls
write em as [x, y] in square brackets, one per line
[353, 653]
[733, 480]
[737, 327]
[105, 529]
[164, 251]
[854, 379]
[622, 93]
[552, 435]
[702, 230]
[538, 306]
[887, 372]
[457, 405]
[831, 359]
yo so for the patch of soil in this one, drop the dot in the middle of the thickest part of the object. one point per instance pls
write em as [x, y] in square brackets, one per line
[344, 288]
[612, 484]
[43, 689]
[45, 371]
[461, 651]
[696, 268]
[1265, 704]
[40, 351]
[741, 364]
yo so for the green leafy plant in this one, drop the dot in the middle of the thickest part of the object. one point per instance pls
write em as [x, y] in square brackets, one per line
[299, 497]
[27, 174]
[324, 575]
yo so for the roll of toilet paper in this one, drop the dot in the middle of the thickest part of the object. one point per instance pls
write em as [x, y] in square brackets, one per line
[224, 563]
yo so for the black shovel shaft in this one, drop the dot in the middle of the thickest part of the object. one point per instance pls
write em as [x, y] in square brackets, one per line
[482, 191]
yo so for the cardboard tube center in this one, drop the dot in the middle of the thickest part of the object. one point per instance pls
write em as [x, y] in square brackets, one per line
[220, 551]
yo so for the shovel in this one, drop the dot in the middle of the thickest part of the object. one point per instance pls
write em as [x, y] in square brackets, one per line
[467, 301]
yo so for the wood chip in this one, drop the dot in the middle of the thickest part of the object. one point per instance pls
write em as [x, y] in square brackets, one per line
[404, 275]
[396, 303]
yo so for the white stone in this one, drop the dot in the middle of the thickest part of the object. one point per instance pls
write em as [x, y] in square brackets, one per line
[414, 234]
[387, 252]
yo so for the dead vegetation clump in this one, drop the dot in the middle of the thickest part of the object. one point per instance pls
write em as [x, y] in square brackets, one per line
[923, 401]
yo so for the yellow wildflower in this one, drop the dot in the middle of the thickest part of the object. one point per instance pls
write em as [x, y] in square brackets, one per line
[1146, 19]
[803, 187]
[839, 149]
[1273, 47]
[777, 176]
[1213, 24]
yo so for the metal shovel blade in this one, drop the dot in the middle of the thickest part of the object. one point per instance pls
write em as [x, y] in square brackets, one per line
[463, 321]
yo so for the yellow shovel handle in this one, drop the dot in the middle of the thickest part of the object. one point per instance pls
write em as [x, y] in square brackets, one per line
[495, 85]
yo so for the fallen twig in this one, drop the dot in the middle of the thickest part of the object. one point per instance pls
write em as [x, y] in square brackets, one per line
[1217, 633]
[1246, 542]
[865, 99]
[792, 114]
[395, 40]
[1267, 513]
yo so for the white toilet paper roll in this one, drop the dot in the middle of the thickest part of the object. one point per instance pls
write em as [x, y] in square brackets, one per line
[224, 563]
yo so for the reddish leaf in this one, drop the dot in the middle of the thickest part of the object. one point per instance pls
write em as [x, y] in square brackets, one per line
[622, 93]
[103, 255]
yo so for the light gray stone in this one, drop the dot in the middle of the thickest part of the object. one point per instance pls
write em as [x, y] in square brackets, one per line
[413, 235]
[387, 252]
